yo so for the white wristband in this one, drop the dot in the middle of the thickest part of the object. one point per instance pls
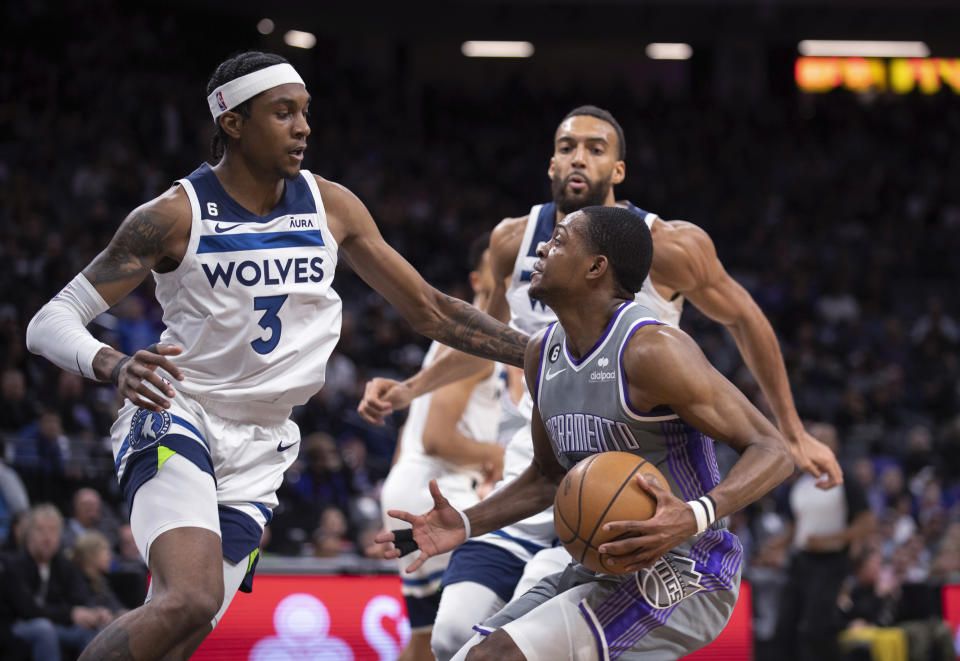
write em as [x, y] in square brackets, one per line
[466, 522]
[705, 511]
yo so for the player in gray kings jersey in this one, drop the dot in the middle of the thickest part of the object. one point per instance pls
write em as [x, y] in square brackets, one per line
[610, 376]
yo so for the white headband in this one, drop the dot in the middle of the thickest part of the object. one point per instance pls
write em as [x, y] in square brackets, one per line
[240, 89]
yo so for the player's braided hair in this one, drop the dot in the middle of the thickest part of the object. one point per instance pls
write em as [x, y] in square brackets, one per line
[231, 68]
[624, 239]
[605, 115]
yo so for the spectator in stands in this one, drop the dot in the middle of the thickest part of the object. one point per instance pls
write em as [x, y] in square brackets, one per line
[826, 525]
[87, 517]
[45, 591]
[16, 411]
[13, 500]
[91, 553]
[40, 458]
[128, 573]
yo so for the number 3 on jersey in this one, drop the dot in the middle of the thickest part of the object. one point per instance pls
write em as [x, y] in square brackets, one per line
[269, 321]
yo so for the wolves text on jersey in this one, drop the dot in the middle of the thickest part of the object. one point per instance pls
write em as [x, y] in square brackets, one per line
[268, 271]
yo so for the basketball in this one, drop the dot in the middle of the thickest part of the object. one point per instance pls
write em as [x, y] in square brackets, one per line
[598, 490]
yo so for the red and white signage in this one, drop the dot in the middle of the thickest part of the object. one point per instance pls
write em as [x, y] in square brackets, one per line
[361, 618]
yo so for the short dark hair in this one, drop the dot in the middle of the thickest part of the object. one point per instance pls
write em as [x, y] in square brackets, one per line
[624, 239]
[233, 67]
[476, 250]
[605, 115]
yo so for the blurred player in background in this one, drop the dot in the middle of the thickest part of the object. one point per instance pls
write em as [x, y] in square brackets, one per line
[656, 396]
[587, 162]
[243, 255]
[449, 436]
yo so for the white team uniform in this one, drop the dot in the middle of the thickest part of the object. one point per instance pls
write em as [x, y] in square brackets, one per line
[406, 487]
[252, 306]
[532, 540]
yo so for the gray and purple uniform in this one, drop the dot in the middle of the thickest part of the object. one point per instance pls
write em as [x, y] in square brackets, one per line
[683, 602]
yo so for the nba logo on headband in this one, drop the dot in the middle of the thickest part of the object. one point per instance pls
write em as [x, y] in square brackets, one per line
[220, 101]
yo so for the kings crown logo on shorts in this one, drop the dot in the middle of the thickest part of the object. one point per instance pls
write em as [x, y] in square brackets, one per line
[147, 428]
[671, 580]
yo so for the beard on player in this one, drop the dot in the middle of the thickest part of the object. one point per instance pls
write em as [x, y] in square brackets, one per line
[594, 193]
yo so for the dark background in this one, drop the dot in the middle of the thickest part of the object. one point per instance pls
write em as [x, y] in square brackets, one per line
[839, 212]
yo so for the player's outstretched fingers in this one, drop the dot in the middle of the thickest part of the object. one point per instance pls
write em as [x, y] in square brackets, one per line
[418, 563]
[439, 500]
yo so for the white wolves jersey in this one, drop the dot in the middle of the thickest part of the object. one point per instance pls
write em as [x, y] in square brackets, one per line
[479, 421]
[528, 315]
[252, 302]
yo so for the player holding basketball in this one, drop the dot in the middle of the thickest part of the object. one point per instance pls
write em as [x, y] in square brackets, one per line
[450, 436]
[243, 255]
[588, 161]
[611, 376]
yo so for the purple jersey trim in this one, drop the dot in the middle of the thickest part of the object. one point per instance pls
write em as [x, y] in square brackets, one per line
[480, 630]
[591, 619]
[543, 347]
[623, 372]
[606, 332]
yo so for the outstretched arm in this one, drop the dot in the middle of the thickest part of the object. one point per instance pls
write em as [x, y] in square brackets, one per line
[685, 261]
[153, 235]
[443, 528]
[381, 396]
[432, 313]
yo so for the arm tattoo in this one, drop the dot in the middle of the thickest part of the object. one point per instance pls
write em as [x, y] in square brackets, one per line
[134, 250]
[468, 329]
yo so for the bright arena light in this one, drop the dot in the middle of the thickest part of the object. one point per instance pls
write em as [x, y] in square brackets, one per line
[829, 48]
[265, 26]
[663, 51]
[299, 39]
[497, 48]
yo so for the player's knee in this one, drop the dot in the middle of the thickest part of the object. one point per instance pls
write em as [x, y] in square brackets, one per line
[498, 646]
[191, 608]
[449, 635]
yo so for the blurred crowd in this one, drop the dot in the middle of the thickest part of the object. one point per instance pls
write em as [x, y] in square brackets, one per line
[836, 212]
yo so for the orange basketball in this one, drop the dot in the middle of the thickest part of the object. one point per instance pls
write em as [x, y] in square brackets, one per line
[600, 489]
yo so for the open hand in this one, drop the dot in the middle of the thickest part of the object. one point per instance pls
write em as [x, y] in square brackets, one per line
[438, 531]
[381, 397]
[644, 542]
[142, 368]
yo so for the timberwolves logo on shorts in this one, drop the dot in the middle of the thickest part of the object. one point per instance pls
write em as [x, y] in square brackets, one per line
[671, 579]
[147, 428]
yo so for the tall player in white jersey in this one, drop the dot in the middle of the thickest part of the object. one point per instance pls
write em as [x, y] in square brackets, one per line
[244, 255]
[449, 436]
[587, 162]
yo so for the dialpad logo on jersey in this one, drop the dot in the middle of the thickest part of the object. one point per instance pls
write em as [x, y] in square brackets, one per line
[671, 580]
[554, 352]
[147, 428]
[601, 375]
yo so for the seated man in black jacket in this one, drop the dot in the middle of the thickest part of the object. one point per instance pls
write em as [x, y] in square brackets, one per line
[45, 592]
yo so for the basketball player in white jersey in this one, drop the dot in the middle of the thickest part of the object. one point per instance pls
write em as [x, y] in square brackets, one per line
[244, 255]
[450, 436]
[588, 161]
